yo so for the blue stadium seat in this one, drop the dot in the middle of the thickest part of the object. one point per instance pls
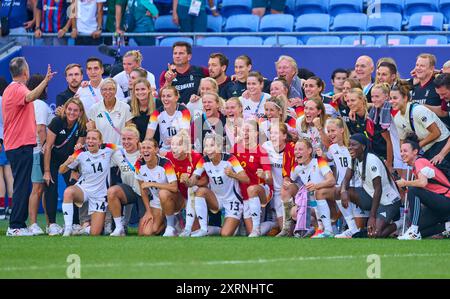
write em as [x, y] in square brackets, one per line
[415, 6]
[432, 21]
[282, 40]
[444, 8]
[277, 22]
[246, 41]
[212, 41]
[389, 21]
[165, 24]
[324, 41]
[393, 40]
[233, 7]
[312, 22]
[430, 40]
[350, 22]
[290, 7]
[383, 6]
[354, 40]
[310, 6]
[169, 41]
[242, 23]
[337, 7]
[214, 24]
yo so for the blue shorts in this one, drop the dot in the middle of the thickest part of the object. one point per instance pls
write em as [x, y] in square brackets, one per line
[3, 160]
[36, 172]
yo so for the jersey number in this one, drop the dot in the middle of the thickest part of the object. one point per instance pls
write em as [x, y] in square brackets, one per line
[217, 180]
[99, 168]
[101, 207]
[171, 131]
[344, 162]
[236, 206]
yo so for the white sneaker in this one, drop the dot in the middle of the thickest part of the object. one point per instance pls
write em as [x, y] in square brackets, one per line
[347, 234]
[410, 234]
[255, 233]
[35, 229]
[108, 229]
[18, 232]
[67, 232]
[54, 229]
[79, 230]
[118, 232]
[185, 233]
[170, 232]
[199, 233]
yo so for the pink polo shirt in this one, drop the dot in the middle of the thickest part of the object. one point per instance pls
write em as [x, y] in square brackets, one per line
[19, 122]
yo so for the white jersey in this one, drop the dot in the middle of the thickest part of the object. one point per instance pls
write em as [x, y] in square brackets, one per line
[252, 108]
[162, 173]
[169, 125]
[94, 169]
[311, 133]
[87, 16]
[315, 172]
[122, 79]
[225, 188]
[90, 95]
[341, 158]
[44, 116]
[276, 164]
[126, 163]
[375, 168]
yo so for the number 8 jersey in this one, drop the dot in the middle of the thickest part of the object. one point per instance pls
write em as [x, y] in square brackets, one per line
[94, 169]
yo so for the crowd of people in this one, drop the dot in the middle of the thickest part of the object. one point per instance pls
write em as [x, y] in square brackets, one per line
[210, 154]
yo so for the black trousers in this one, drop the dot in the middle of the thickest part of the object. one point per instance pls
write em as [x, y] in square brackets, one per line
[21, 160]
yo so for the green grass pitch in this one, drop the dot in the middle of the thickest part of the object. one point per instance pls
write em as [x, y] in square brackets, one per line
[216, 257]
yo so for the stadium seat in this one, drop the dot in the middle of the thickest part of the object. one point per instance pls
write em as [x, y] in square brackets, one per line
[165, 24]
[233, 7]
[214, 24]
[312, 23]
[393, 40]
[246, 41]
[444, 8]
[310, 6]
[277, 22]
[169, 41]
[337, 7]
[242, 23]
[432, 21]
[354, 40]
[324, 41]
[430, 40]
[212, 41]
[282, 41]
[415, 6]
[350, 22]
[290, 7]
[388, 21]
[383, 6]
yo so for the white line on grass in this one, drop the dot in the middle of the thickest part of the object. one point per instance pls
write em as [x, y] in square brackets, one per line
[219, 262]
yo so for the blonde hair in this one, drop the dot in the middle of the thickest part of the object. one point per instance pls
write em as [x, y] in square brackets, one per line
[431, 58]
[288, 59]
[185, 137]
[133, 129]
[340, 123]
[323, 116]
[280, 103]
[135, 111]
[360, 94]
[82, 119]
[384, 87]
[210, 80]
[217, 139]
[238, 102]
[172, 88]
[136, 54]
[217, 98]
[100, 136]
[307, 142]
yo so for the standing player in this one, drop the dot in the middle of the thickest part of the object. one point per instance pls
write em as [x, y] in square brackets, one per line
[92, 185]
[224, 172]
[254, 104]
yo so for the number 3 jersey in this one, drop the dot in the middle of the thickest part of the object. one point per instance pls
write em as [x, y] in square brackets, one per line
[224, 187]
[162, 173]
[94, 169]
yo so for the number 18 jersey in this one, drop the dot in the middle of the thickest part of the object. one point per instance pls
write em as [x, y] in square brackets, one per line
[342, 160]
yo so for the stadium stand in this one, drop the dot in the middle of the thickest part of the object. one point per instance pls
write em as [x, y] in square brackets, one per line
[282, 40]
[338, 7]
[310, 7]
[233, 7]
[324, 40]
[366, 40]
[388, 21]
[242, 23]
[430, 40]
[277, 22]
[165, 24]
[246, 41]
[428, 21]
[393, 40]
[169, 41]
[214, 24]
[350, 22]
[212, 41]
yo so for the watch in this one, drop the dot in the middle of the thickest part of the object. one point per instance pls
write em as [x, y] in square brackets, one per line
[36, 28]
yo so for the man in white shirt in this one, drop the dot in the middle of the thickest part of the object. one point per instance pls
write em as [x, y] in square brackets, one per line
[87, 20]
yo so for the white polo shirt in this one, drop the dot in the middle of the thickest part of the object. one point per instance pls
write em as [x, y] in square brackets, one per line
[87, 15]
[118, 116]
[122, 80]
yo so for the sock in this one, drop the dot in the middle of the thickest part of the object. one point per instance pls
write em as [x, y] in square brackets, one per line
[348, 216]
[399, 223]
[118, 222]
[319, 221]
[255, 211]
[213, 230]
[414, 228]
[170, 220]
[447, 226]
[287, 213]
[266, 227]
[67, 209]
[87, 229]
[201, 209]
[324, 215]
[190, 212]
[2, 202]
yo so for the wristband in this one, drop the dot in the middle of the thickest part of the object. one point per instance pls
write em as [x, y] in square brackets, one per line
[214, 8]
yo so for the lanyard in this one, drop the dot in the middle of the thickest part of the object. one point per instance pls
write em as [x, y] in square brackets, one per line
[126, 160]
[68, 137]
[208, 123]
[111, 123]
[93, 93]
[259, 104]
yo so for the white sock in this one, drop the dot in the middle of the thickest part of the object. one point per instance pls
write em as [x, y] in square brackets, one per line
[170, 220]
[266, 227]
[398, 223]
[201, 209]
[190, 212]
[68, 214]
[414, 228]
[87, 229]
[213, 230]
[255, 210]
[447, 226]
[324, 215]
[348, 216]
[118, 223]
[319, 221]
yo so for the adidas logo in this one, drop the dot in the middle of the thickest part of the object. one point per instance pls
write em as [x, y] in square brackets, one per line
[247, 108]
[323, 217]
[88, 160]
[62, 131]
[254, 215]
[100, 115]
[200, 217]
[336, 152]
[163, 121]
[65, 213]
[144, 174]
[190, 215]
